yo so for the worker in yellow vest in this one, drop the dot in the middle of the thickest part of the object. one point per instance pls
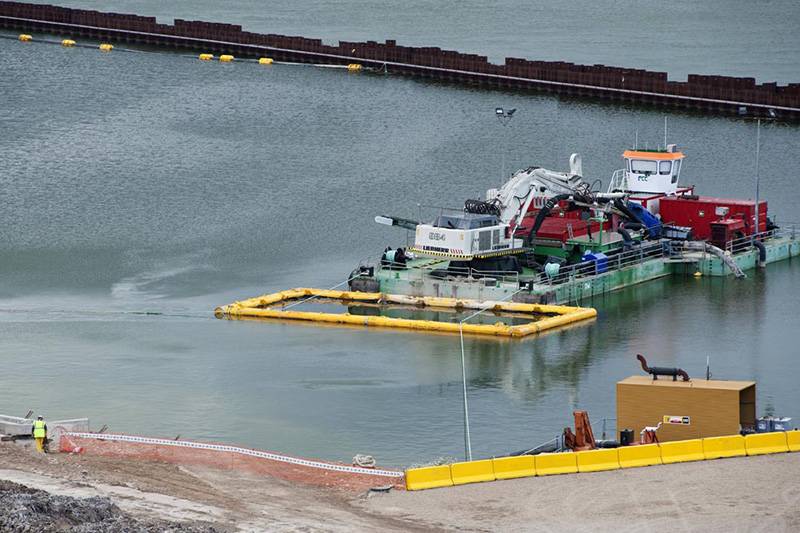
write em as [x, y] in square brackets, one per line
[39, 433]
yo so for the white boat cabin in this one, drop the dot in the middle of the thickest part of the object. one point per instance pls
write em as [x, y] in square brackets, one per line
[648, 175]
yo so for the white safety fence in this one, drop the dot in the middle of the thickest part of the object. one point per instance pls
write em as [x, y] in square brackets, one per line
[237, 450]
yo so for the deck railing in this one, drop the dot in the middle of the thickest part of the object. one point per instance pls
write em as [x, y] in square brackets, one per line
[743, 243]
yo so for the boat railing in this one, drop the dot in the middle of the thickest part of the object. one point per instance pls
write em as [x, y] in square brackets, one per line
[741, 244]
[609, 426]
[427, 271]
[618, 182]
[636, 255]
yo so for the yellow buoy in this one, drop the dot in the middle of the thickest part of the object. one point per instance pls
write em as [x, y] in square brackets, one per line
[105, 47]
[68, 42]
[698, 274]
[226, 58]
[24, 37]
[206, 57]
[265, 61]
[354, 67]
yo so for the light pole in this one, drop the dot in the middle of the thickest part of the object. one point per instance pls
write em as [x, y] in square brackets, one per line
[758, 179]
[505, 119]
[467, 440]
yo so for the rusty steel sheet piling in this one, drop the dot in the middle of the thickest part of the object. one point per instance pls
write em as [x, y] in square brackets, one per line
[723, 95]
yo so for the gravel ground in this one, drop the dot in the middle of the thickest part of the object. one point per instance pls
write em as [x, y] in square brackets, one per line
[25, 509]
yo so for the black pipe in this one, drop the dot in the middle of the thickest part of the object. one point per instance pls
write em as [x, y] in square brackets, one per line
[633, 226]
[762, 251]
[656, 371]
[543, 212]
[623, 208]
[626, 237]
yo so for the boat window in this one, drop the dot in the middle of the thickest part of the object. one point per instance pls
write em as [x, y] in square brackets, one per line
[628, 161]
[677, 171]
[460, 222]
[665, 167]
[640, 166]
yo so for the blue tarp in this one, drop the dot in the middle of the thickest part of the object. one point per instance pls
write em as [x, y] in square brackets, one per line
[647, 219]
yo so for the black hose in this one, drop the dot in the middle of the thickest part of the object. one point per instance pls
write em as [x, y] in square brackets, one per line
[543, 212]
[480, 207]
[626, 237]
[633, 226]
[620, 205]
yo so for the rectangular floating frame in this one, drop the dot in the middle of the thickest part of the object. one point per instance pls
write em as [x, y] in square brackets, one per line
[258, 307]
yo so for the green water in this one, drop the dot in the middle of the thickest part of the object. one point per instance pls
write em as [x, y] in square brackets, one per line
[139, 191]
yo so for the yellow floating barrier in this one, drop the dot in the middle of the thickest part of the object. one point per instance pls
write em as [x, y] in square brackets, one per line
[640, 455]
[259, 307]
[514, 467]
[264, 60]
[548, 464]
[205, 57]
[105, 47]
[597, 460]
[24, 37]
[354, 67]
[68, 43]
[682, 451]
[226, 58]
[793, 440]
[472, 472]
[763, 443]
[728, 446]
[429, 477]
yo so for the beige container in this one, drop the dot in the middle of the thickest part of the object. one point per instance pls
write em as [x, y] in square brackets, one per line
[686, 409]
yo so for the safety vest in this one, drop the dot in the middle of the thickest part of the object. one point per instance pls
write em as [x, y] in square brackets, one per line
[38, 429]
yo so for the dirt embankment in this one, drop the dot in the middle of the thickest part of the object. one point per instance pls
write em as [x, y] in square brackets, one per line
[194, 497]
[740, 494]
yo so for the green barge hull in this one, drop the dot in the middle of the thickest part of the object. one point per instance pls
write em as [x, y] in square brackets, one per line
[426, 277]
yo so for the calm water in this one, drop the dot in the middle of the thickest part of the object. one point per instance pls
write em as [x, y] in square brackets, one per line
[139, 191]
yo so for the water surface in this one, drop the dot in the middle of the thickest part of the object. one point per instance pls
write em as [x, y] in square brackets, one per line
[139, 191]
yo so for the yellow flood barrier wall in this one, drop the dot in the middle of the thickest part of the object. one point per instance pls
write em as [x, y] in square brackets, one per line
[761, 443]
[514, 467]
[258, 307]
[681, 451]
[548, 464]
[640, 455]
[597, 460]
[472, 472]
[729, 446]
[602, 459]
[793, 440]
[429, 477]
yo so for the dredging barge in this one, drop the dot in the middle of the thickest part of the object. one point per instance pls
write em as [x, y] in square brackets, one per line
[551, 238]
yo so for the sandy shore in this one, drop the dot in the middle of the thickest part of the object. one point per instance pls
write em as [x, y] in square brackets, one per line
[743, 494]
